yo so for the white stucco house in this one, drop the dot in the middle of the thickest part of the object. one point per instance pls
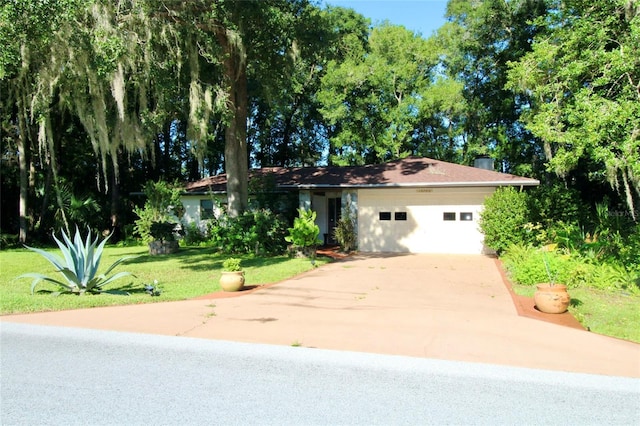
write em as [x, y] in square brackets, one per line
[413, 205]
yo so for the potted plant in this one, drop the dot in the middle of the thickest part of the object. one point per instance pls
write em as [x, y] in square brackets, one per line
[159, 217]
[164, 239]
[232, 278]
[551, 298]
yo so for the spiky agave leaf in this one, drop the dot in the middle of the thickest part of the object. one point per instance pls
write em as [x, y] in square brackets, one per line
[40, 277]
[82, 260]
[70, 255]
[60, 267]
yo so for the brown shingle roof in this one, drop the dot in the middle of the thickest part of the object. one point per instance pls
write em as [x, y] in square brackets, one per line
[411, 171]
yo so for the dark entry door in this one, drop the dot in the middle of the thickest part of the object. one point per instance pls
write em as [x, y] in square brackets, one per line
[335, 212]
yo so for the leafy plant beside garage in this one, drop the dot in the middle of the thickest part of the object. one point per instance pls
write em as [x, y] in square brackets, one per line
[503, 219]
[345, 231]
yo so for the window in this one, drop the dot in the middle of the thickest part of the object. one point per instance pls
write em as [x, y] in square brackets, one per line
[400, 216]
[466, 216]
[385, 215]
[206, 209]
[448, 216]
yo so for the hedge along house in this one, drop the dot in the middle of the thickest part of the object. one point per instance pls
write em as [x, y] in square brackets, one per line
[413, 205]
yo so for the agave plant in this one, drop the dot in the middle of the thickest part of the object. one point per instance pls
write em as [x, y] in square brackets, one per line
[79, 266]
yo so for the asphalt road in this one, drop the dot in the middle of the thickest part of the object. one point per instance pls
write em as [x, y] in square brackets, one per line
[68, 376]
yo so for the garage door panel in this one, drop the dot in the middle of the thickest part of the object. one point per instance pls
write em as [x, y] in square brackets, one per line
[424, 230]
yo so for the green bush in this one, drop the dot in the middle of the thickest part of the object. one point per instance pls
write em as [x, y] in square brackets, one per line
[504, 218]
[193, 235]
[525, 265]
[162, 205]
[549, 204]
[345, 231]
[260, 232]
[305, 232]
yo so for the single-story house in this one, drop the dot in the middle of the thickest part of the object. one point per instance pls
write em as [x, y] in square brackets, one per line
[415, 205]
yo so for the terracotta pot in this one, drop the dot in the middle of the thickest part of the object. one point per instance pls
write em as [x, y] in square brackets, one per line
[552, 299]
[232, 281]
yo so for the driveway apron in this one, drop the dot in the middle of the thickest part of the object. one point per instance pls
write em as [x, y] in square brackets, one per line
[452, 307]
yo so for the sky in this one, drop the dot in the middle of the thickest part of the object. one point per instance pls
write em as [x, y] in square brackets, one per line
[423, 16]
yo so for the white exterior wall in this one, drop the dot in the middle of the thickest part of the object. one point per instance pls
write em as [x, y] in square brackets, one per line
[424, 231]
[191, 205]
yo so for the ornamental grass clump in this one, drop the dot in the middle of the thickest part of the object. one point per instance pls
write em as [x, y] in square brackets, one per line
[79, 266]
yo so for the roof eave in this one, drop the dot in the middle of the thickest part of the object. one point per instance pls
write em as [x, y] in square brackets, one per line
[418, 185]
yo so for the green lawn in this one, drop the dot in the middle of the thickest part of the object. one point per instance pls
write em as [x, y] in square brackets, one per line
[612, 313]
[189, 273]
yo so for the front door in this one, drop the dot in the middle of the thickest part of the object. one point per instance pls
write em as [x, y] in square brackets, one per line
[334, 214]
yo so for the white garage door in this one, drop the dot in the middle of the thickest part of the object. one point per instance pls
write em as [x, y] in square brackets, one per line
[421, 220]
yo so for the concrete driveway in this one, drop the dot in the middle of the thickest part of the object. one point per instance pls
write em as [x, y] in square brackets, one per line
[434, 306]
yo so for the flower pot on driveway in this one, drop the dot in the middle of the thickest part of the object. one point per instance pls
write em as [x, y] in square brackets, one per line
[551, 299]
[232, 281]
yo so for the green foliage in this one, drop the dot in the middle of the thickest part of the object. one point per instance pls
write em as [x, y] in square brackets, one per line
[193, 235]
[479, 40]
[79, 266]
[582, 77]
[527, 265]
[345, 230]
[162, 231]
[375, 100]
[552, 203]
[305, 232]
[82, 210]
[231, 264]
[162, 210]
[503, 219]
[259, 232]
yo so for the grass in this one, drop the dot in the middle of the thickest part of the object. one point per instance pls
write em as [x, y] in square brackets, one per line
[612, 313]
[192, 272]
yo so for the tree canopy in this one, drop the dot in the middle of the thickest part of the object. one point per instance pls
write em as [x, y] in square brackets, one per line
[99, 97]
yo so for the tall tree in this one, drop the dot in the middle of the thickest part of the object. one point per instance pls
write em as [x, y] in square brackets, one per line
[374, 98]
[480, 38]
[287, 127]
[27, 36]
[583, 76]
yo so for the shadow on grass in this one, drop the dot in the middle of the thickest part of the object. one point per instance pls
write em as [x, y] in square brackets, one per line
[574, 303]
[205, 259]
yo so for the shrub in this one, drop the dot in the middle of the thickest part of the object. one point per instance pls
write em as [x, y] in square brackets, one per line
[257, 231]
[526, 266]
[305, 232]
[79, 267]
[345, 231]
[549, 204]
[504, 218]
[193, 235]
[162, 205]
